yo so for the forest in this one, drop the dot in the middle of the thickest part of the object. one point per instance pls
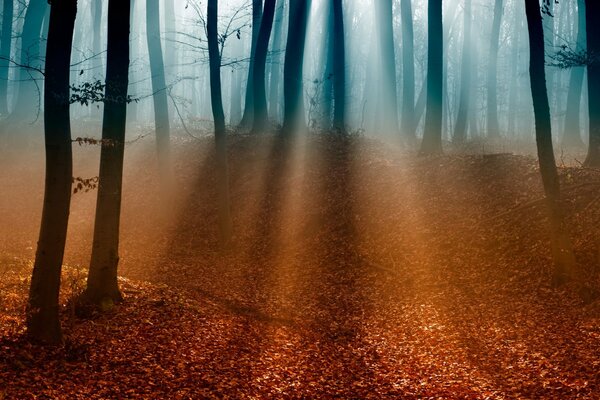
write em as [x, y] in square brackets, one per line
[299, 199]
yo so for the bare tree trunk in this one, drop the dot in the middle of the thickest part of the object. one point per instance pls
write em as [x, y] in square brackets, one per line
[592, 13]
[42, 311]
[225, 227]
[274, 87]
[562, 250]
[339, 67]
[248, 116]
[159, 86]
[408, 71]
[460, 130]
[432, 137]
[102, 286]
[259, 68]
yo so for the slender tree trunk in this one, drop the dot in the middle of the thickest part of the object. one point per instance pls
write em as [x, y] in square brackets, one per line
[513, 96]
[25, 105]
[294, 118]
[432, 136]
[5, 48]
[248, 116]
[159, 86]
[562, 250]
[389, 107]
[593, 69]
[460, 129]
[274, 87]
[572, 131]
[42, 312]
[408, 70]
[493, 126]
[339, 67]
[259, 69]
[225, 227]
[102, 286]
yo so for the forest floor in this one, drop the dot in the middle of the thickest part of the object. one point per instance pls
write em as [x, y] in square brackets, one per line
[358, 271]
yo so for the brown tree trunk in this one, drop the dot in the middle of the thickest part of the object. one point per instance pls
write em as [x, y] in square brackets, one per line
[42, 312]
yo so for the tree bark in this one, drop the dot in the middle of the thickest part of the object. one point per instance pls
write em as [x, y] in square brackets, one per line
[562, 250]
[294, 118]
[432, 136]
[225, 226]
[592, 12]
[460, 129]
[339, 67]
[102, 286]
[159, 86]
[248, 116]
[259, 69]
[274, 87]
[42, 311]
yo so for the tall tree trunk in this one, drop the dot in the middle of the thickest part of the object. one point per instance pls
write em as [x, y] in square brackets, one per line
[159, 86]
[592, 12]
[214, 55]
[102, 286]
[513, 96]
[339, 67]
[5, 48]
[389, 99]
[274, 87]
[493, 126]
[42, 312]
[294, 118]
[408, 70]
[460, 129]
[259, 69]
[25, 105]
[572, 131]
[248, 116]
[432, 136]
[562, 250]
[97, 34]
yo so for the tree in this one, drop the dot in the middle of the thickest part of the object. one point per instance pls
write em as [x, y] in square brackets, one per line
[562, 251]
[42, 311]
[572, 128]
[259, 68]
[389, 99]
[493, 126]
[408, 126]
[30, 54]
[5, 46]
[214, 55]
[592, 12]
[159, 86]
[432, 136]
[274, 87]
[294, 119]
[248, 116]
[102, 286]
[460, 129]
[339, 67]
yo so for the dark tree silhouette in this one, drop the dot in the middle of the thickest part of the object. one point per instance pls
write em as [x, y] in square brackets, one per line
[42, 312]
[159, 86]
[564, 259]
[592, 12]
[102, 286]
[5, 46]
[259, 68]
[294, 118]
[248, 116]
[432, 136]
[219, 118]
[339, 67]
